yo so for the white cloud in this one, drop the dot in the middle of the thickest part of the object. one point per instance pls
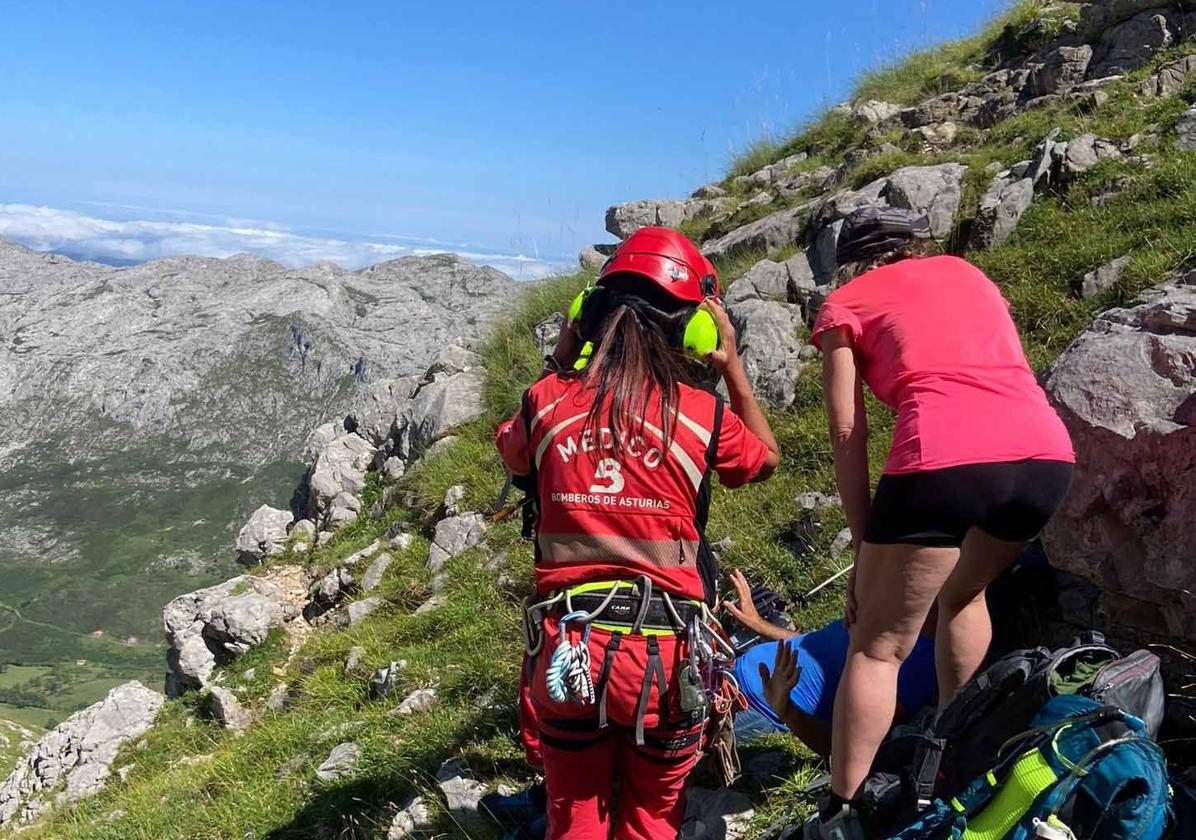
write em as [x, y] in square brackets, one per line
[91, 237]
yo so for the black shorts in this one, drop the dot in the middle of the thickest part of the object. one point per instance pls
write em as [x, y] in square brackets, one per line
[1010, 501]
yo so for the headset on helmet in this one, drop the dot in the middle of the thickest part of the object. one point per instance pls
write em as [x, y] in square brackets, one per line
[671, 264]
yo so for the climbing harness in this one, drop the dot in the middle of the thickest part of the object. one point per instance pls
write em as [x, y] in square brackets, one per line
[705, 679]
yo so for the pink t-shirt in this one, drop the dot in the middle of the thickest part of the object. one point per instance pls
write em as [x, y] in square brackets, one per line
[935, 341]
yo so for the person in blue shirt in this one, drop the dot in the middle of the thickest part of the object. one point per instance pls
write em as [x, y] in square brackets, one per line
[790, 681]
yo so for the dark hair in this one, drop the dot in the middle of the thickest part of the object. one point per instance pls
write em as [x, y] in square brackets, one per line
[909, 250]
[636, 360]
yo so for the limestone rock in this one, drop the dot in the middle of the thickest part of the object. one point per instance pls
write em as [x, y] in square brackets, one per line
[1101, 279]
[394, 468]
[1133, 44]
[212, 626]
[360, 610]
[769, 175]
[453, 536]
[339, 461]
[420, 700]
[873, 112]
[721, 814]
[385, 681]
[223, 365]
[774, 231]
[340, 762]
[1063, 69]
[1083, 153]
[227, 709]
[374, 574]
[448, 398]
[452, 499]
[74, 760]
[1187, 130]
[1098, 16]
[709, 191]
[304, 530]
[264, 535]
[413, 818]
[401, 542]
[379, 413]
[1000, 210]
[767, 328]
[622, 220]
[936, 190]
[591, 259]
[1125, 390]
[462, 793]
[1171, 78]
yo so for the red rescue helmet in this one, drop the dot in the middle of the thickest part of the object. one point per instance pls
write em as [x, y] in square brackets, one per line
[669, 260]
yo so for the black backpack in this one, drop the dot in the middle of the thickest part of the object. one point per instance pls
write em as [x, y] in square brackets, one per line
[938, 755]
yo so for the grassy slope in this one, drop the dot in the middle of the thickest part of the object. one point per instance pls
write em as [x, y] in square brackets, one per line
[191, 780]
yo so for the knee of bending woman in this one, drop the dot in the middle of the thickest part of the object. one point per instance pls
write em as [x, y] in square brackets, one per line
[887, 647]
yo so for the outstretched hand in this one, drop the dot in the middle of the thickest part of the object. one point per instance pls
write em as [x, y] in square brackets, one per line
[780, 683]
[745, 611]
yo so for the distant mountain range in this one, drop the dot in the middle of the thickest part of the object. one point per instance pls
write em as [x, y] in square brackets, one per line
[143, 409]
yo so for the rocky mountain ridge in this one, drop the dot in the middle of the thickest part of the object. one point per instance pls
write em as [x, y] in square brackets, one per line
[144, 409]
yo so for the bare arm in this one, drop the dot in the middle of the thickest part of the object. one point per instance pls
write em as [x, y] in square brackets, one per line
[743, 399]
[843, 394]
[746, 614]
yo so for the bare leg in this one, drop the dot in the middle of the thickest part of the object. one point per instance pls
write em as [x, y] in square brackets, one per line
[964, 627]
[895, 588]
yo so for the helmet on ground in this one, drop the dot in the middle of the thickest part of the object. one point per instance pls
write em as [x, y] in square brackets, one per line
[872, 232]
[669, 260]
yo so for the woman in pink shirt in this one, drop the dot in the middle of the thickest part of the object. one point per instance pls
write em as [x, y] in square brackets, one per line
[978, 465]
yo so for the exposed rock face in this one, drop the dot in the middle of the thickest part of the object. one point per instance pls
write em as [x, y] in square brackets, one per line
[785, 227]
[1127, 391]
[190, 371]
[227, 709]
[1187, 130]
[1065, 67]
[622, 220]
[1132, 44]
[455, 535]
[340, 763]
[1103, 278]
[462, 793]
[212, 626]
[400, 419]
[1171, 78]
[767, 324]
[935, 190]
[1001, 208]
[74, 760]
[264, 535]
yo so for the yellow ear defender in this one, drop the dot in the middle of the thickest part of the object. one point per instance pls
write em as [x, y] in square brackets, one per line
[699, 339]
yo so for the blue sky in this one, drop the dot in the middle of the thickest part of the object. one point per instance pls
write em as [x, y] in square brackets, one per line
[495, 126]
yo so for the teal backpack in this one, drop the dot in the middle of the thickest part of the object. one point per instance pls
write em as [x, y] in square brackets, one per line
[1083, 771]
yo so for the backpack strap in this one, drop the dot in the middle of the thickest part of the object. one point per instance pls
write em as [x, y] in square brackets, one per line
[707, 564]
[529, 483]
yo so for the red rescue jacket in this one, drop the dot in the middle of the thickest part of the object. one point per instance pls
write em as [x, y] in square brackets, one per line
[606, 514]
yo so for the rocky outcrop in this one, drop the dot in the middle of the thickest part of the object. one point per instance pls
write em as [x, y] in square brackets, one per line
[622, 220]
[1170, 79]
[212, 626]
[1101, 279]
[1127, 391]
[397, 422]
[1186, 128]
[454, 535]
[774, 231]
[74, 760]
[1001, 208]
[340, 763]
[264, 535]
[766, 321]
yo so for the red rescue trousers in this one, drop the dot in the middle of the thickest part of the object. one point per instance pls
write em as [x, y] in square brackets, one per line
[587, 747]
